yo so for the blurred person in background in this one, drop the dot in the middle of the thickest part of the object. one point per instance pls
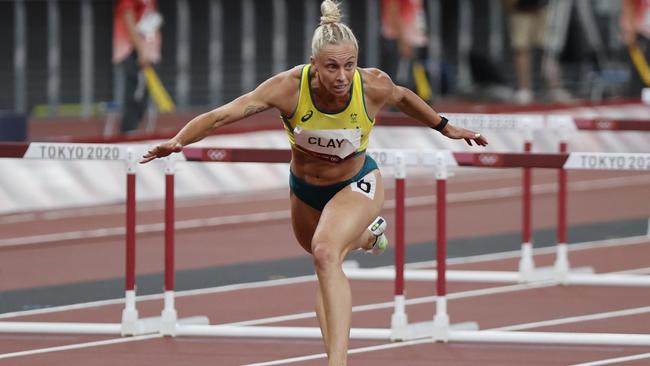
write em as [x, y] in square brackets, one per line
[635, 30]
[136, 45]
[528, 29]
[404, 44]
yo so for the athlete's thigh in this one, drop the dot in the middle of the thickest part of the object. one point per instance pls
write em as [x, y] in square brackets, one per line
[351, 210]
[304, 219]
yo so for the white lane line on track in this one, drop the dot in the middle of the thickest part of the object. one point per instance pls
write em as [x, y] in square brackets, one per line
[596, 316]
[146, 228]
[453, 198]
[457, 296]
[70, 347]
[414, 301]
[147, 206]
[612, 361]
[350, 352]
[577, 319]
[634, 240]
[429, 299]
[465, 294]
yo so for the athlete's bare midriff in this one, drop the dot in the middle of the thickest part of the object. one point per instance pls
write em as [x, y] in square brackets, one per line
[320, 172]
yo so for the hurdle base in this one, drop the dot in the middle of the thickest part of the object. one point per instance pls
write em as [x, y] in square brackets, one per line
[156, 324]
[275, 332]
[607, 279]
[380, 274]
[428, 329]
[399, 319]
[549, 274]
[526, 262]
[489, 336]
[61, 328]
[574, 276]
[130, 326]
[129, 314]
[142, 326]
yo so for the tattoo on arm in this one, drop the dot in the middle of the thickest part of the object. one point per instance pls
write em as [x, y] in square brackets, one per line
[252, 109]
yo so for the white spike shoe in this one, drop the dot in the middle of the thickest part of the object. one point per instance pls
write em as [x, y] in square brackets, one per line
[377, 229]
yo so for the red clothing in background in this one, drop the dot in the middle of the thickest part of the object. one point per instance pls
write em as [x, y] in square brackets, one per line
[412, 20]
[122, 45]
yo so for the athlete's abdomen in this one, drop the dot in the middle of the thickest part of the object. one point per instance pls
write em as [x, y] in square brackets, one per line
[321, 172]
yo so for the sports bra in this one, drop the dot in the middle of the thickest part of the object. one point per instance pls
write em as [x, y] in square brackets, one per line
[331, 136]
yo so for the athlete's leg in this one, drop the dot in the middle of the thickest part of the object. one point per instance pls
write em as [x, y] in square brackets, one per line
[322, 320]
[304, 219]
[341, 228]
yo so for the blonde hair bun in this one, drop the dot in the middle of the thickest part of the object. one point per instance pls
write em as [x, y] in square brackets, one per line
[331, 30]
[330, 12]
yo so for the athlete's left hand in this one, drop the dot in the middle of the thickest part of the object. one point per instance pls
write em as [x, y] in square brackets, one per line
[162, 150]
[458, 133]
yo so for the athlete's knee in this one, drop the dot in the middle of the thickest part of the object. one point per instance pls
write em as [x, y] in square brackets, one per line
[325, 253]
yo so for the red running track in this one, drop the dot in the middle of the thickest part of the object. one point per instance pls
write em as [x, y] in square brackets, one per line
[473, 203]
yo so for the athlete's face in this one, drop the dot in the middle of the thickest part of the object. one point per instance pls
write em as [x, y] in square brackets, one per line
[335, 65]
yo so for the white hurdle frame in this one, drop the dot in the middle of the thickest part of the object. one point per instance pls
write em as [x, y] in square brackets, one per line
[439, 329]
[442, 332]
[130, 323]
[95, 152]
[561, 273]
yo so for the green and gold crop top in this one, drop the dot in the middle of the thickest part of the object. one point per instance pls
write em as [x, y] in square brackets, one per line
[330, 136]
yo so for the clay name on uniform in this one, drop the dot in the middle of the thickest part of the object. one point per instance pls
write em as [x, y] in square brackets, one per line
[323, 142]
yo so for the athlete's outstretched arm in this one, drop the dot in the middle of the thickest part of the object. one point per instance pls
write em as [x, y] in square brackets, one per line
[412, 105]
[202, 125]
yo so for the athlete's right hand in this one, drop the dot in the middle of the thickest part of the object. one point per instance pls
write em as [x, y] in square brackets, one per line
[161, 151]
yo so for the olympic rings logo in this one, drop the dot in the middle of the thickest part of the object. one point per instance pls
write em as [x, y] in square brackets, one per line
[217, 154]
[604, 124]
[488, 159]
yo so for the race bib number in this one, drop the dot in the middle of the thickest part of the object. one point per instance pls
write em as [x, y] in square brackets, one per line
[366, 185]
[339, 143]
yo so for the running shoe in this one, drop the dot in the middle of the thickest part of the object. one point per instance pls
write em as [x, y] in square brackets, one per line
[377, 229]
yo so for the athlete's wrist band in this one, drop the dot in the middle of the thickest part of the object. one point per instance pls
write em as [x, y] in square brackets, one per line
[441, 126]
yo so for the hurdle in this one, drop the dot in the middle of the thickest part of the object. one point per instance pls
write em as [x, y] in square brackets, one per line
[441, 160]
[566, 161]
[128, 155]
[439, 329]
[170, 325]
[528, 124]
[131, 324]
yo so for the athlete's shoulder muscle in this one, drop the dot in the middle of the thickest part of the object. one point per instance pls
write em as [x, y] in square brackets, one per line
[377, 86]
[281, 90]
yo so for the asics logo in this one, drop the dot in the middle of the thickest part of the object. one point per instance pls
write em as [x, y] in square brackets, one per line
[307, 116]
